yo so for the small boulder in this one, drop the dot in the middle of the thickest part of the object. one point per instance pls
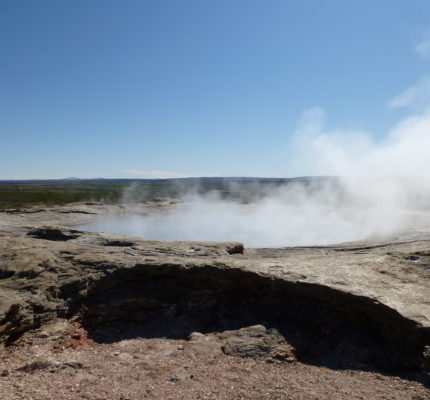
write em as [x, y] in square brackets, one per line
[258, 343]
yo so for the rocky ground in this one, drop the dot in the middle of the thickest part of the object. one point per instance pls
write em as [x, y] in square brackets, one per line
[100, 316]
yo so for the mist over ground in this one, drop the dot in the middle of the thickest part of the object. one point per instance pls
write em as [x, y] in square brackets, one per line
[381, 190]
[323, 211]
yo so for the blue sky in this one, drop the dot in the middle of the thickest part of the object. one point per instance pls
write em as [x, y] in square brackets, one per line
[135, 88]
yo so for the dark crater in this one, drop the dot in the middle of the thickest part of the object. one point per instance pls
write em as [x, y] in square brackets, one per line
[327, 328]
[118, 243]
[4, 274]
[54, 233]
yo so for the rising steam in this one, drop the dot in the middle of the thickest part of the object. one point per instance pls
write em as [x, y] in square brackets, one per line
[382, 190]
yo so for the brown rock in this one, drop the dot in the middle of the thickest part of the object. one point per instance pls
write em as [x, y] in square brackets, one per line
[373, 295]
[257, 342]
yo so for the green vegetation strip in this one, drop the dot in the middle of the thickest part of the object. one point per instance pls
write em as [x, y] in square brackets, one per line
[23, 194]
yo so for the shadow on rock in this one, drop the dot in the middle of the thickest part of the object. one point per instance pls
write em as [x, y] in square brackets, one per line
[242, 320]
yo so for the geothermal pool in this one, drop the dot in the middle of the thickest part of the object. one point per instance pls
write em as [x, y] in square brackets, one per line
[268, 223]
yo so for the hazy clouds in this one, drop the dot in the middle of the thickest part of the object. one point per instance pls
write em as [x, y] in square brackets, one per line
[417, 94]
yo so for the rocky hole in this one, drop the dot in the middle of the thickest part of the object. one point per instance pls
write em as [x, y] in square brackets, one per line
[56, 234]
[266, 319]
[118, 243]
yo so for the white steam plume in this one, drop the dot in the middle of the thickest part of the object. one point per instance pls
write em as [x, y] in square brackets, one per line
[384, 191]
[403, 152]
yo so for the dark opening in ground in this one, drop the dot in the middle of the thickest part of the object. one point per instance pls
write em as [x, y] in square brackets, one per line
[175, 306]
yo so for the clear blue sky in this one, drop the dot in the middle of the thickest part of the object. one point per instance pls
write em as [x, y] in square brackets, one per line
[103, 88]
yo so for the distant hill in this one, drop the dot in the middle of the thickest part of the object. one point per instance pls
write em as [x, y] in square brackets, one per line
[170, 180]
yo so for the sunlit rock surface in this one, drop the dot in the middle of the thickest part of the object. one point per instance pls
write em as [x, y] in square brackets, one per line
[367, 303]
